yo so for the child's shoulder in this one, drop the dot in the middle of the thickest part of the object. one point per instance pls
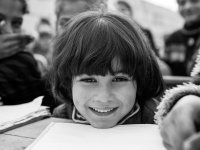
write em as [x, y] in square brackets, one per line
[151, 104]
[148, 110]
[63, 111]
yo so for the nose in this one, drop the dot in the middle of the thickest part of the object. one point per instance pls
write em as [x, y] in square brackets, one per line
[104, 94]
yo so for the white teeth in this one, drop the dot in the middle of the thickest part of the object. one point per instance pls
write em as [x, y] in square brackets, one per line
[102, 110]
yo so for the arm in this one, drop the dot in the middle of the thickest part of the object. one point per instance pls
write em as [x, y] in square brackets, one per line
[171, 97]
[178, 118]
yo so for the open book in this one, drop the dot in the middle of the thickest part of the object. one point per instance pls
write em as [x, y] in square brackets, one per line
[13, 116]
[68, 136]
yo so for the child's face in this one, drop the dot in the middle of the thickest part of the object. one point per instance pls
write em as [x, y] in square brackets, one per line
[189, 9]
[123, 9]
[11, 13]
[104, 100]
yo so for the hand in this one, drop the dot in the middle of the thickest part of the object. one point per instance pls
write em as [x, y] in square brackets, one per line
[10, 44]
[192, 143]
[180, 125]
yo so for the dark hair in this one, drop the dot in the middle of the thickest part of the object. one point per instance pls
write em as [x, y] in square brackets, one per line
[91, 41]
[24, 6]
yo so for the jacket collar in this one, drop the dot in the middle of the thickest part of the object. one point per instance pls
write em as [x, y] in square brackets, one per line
[78, 118]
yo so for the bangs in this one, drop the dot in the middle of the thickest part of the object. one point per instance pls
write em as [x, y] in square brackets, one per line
[102, 49]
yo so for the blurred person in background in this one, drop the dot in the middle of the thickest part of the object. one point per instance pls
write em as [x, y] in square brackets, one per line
[20, 79]
[181, 46]
[124, 7]
[65, 9]
[42, 49]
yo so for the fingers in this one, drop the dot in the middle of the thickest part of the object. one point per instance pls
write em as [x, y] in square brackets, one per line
[10, 37]
[12, 50]
[165, 138]
[177, 126]
[8, 45]
[182, 122]
[9, 48]
[168, 146]
[192, 143]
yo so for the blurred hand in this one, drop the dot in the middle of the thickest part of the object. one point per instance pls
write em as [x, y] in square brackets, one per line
[192, 143]
[10, 44]
[181, 125]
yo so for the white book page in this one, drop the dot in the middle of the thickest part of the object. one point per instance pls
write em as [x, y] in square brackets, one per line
[13, 112]
[70, 136]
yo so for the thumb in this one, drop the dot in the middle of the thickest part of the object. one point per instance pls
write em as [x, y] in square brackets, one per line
[192, 143]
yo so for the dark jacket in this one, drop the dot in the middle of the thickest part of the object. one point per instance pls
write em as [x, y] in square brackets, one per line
[20, 80]
[144, 115]
[181, 47]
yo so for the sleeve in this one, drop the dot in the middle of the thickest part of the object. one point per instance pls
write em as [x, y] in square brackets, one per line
[171, 97]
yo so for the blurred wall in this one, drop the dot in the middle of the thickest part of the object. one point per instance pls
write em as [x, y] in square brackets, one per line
[38, 9]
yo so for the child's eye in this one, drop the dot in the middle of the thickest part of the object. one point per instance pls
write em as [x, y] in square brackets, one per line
[120, 79]
[88, 80]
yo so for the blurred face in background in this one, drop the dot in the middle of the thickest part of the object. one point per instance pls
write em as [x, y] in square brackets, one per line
[45, 36]
[45, 40]
[189, 10]
[124, 8]
[67, 9]
[10, 16]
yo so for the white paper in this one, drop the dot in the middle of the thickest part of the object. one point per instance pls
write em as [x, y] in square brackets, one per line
[13, 112]
[70, 136]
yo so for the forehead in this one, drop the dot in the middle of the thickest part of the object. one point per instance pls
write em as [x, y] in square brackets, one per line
[68, 8]
[11, 8]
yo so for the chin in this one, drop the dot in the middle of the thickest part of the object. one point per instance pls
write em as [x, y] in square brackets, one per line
[103, 125]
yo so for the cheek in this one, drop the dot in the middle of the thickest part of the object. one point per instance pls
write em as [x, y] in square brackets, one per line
[80, 95]
[76, 95]
[128, 95]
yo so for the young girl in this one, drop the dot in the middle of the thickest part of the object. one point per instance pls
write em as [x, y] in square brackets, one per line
[105, 72]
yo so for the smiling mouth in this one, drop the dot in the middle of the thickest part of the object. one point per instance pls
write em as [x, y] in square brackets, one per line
[103, 111]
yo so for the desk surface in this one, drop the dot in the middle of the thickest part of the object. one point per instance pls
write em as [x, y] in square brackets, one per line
[20, 138]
